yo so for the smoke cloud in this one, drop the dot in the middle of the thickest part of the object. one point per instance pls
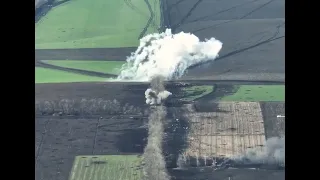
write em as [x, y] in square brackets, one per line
[272, 153]
[168, 55]
[157, 93]
[156, 98]
[161, 57]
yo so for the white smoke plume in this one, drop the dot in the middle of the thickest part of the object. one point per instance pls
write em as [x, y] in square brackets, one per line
[156, 98]
[168, 55]
[157, 93]
[272, 153]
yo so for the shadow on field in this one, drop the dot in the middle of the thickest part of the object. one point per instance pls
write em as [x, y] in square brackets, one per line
[220, 91]
[208, 107]
[208, 103]
[175, 140]
[176, 126]
[132, 141]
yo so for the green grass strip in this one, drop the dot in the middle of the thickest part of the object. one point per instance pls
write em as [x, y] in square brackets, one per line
[258, 93]
[95, 23]
[44, 75]
[194, 92]
[110, 167]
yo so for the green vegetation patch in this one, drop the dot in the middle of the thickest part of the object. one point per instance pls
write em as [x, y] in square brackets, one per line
[96, 23]
[194, 92]
[257, 93]
[110, 167]
[108, 67]
[44, 75]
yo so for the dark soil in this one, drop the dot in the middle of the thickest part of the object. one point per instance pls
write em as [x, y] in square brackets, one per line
[175, 140]
[207, 103]
[86, 54]
[132, 93]
[73, 70]
[227, 174]
[252, 33]
[59, 140]
[274, 126]
[96, 54]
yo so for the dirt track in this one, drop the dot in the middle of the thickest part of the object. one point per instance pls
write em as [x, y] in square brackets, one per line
[131, 90]
[93, 54]
[96, 54]
[72, 70]
[252, 33]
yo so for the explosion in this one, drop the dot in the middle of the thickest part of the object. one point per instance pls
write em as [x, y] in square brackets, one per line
[161, 57]
[168, 55]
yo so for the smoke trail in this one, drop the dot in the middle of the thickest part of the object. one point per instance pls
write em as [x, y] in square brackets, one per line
[168, 55]
[154, 164]
[160, 57]
[272, 153]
